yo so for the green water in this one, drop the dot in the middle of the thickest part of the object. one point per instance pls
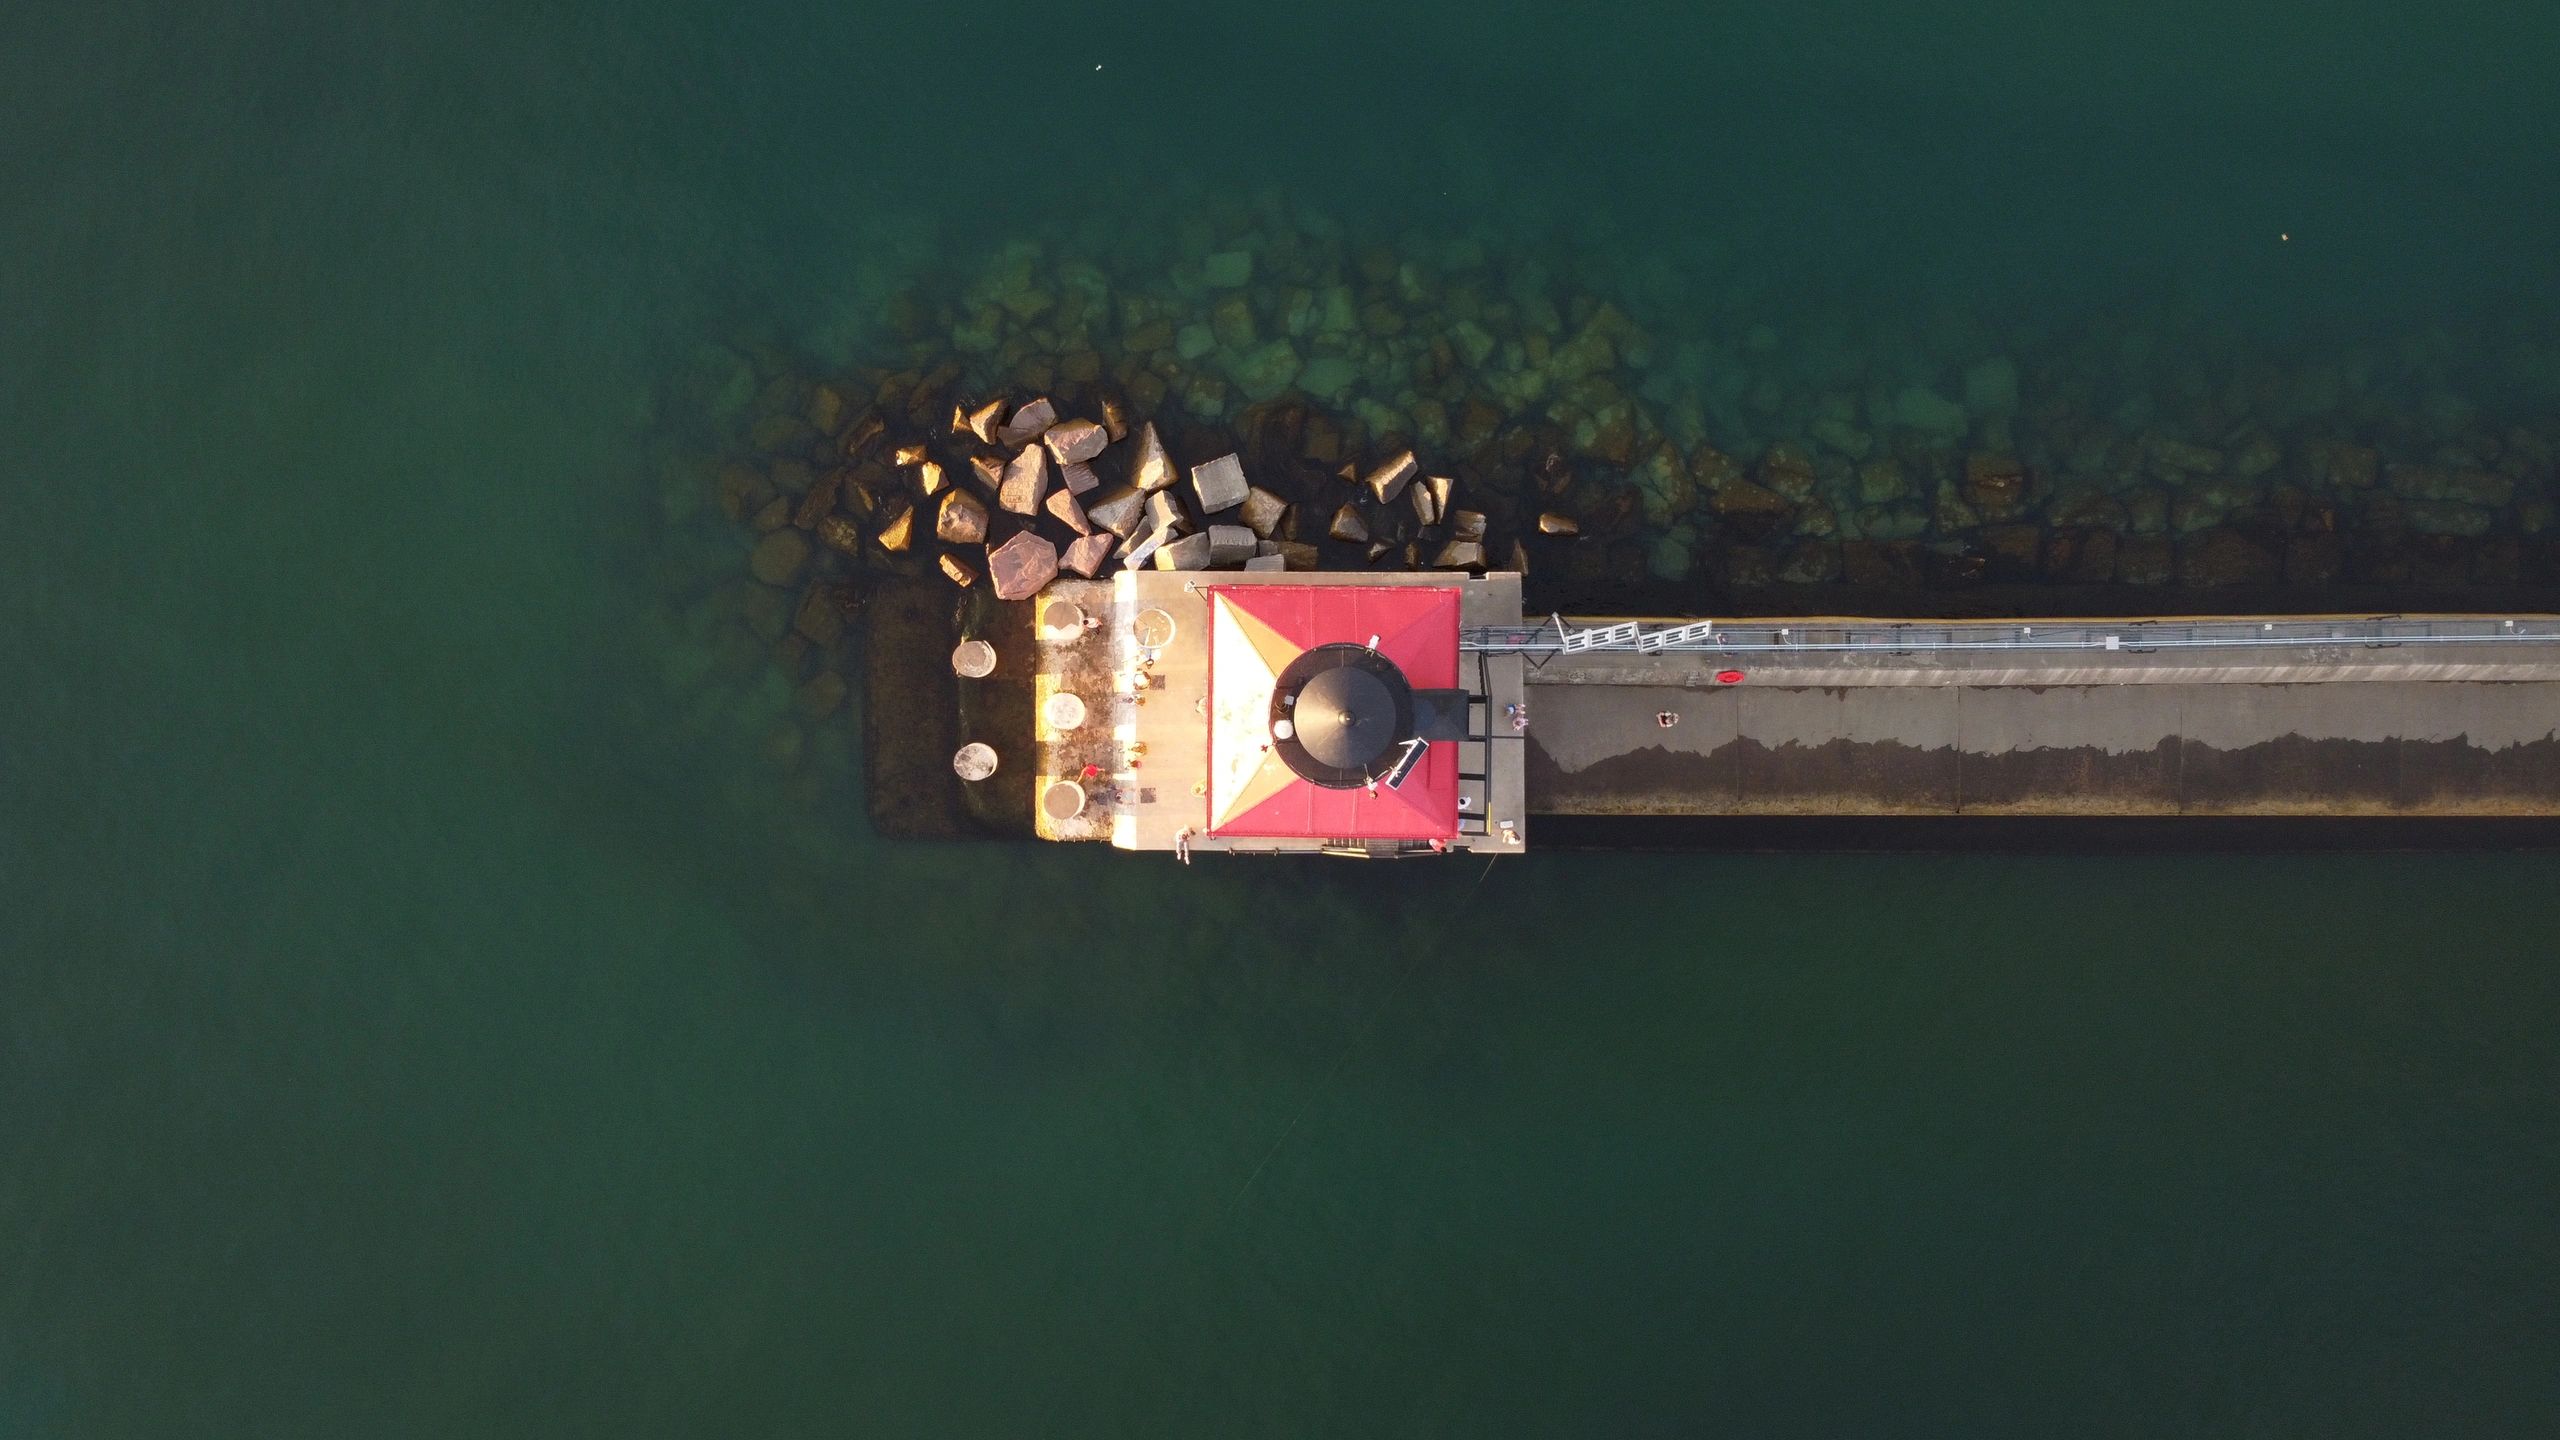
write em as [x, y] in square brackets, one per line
[400, 1035]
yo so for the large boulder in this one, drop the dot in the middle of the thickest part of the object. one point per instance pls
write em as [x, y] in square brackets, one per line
[1021, 565]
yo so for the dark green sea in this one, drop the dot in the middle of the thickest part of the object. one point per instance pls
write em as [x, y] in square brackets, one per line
[410, 1026]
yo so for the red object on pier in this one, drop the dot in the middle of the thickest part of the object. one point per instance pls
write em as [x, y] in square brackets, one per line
[1728, 677]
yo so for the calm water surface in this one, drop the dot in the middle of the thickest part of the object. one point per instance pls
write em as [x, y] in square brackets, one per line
[394, 1042]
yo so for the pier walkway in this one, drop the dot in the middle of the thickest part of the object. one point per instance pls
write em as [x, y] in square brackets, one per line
[2327, 716]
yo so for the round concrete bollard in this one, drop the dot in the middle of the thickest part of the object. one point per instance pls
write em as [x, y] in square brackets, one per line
[1063, 800]
[1061, 621]
[1065, 711]
[974, 761]
[1153, 628]
[973, 660]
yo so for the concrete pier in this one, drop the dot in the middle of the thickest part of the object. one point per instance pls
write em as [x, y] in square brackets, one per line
[2256, 718]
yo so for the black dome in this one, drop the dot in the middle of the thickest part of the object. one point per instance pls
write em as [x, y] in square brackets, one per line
[1346, 717]
[1348, 709]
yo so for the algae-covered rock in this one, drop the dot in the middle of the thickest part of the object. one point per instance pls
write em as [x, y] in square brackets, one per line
[1932, 414]
[779, 556]
[1265, 370]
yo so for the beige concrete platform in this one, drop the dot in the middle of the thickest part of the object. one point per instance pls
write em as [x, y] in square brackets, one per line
[1145, 731]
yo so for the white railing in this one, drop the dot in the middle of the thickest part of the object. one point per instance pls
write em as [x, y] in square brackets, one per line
[1898, 637]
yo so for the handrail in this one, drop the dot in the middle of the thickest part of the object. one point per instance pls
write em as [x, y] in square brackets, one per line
[1906, 637]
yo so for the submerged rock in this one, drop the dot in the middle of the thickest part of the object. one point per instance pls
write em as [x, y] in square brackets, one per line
[779, 556]
[839, 534]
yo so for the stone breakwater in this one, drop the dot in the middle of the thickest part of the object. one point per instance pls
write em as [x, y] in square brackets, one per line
[1610, 459]
[1454, 402]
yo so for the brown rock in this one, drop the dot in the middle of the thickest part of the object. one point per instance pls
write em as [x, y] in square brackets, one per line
[1028, 423]
[2145, 560]
[1389, 479]
[906, 455]
[1026, 481]
[1220, 484]
[1021, 565]
[1295, 555]
[2314, 560]
[743, 490]
[988, 471]
[1087, 554]
[2337, 465]
[1995, 484]
[1115, 418]
[2081, 557]
[1152, 469]
[2013, 550]
[1079, 478]
[2177, 457]
[1263, 512]
[1881, 564]
[1431, 497]
[839, 534]
[864, 434]
[958, 571]
[1348, 525]
[817, 500]
[2210, 559]
[1551, 523]
[932, 479]
[1466, 525]
[1788, 471]
[827, 407]
[1073, 441]
[1461, 555]
[775, 514]
[1739, 498]
[962, 520]
[779, 556]
[1119, 511]
[984, 421]
[1815, 562]
[818, 617]
[1062, 505]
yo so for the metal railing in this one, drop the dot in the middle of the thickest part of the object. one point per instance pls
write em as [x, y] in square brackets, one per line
[1897, 637]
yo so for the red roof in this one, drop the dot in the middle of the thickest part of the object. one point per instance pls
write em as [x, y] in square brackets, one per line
[1255, 631]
